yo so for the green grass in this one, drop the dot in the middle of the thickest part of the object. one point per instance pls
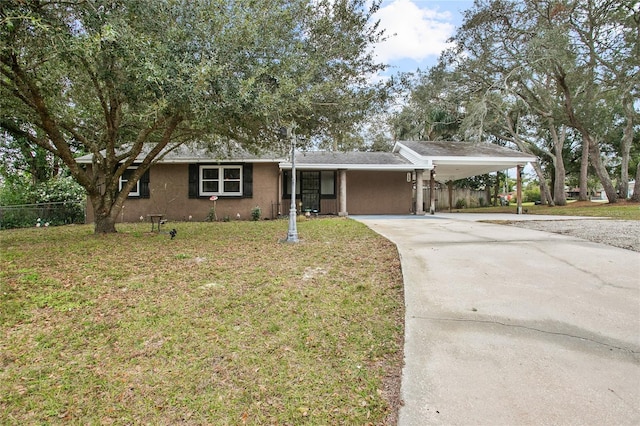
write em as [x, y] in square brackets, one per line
[223, 325]
[621, 210]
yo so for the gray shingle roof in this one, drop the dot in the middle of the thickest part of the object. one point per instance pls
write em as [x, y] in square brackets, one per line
[354, 158]
[196, 154]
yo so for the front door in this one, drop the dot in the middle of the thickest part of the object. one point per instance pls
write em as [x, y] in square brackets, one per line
[310, 191]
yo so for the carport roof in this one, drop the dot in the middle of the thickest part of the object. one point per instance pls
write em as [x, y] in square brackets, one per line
[459, 160]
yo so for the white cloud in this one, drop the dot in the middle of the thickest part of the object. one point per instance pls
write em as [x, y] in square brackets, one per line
[413, 33]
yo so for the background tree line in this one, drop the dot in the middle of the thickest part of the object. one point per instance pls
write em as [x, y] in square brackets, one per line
[555, 78]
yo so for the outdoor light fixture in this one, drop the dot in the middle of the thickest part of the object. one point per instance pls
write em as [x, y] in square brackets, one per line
[292, 234]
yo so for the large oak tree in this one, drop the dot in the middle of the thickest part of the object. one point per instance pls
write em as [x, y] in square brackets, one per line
[537, 73]
[129, 80]
[571, 63]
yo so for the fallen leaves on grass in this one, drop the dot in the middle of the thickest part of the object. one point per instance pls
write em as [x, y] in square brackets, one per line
[219, 326]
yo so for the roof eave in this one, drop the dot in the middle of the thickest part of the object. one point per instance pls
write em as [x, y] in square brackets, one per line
[361, 167]
[219, 160]
[82, 160]
[483, 160]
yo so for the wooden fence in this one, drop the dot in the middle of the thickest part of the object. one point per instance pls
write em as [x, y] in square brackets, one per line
[460, 198]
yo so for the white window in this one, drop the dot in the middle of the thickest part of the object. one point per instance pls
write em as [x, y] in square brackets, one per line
[135, 191]
[220, 180]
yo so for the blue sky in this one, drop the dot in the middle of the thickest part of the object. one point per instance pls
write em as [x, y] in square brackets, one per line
[418, 31]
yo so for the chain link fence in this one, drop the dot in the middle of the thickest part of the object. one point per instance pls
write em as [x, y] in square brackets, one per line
[42, 214]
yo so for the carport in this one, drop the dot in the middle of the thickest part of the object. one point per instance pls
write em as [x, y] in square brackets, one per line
[449, 161]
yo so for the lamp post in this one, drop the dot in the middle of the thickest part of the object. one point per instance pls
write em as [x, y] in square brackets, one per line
[292, 234]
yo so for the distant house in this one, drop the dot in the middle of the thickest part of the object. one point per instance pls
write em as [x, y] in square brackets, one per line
[336, 183]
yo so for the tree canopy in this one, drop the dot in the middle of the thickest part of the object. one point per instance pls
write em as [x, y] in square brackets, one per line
[109, 77]
[556, 78]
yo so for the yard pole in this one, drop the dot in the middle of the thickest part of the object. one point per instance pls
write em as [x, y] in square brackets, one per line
[519, 189]
[432, 192]
[292, 235]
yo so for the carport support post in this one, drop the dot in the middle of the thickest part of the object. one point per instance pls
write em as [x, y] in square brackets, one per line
[432, 192]
[419, 192]
[519, 188]
[342, 210]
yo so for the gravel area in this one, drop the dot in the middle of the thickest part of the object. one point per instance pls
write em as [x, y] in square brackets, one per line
[618, 233]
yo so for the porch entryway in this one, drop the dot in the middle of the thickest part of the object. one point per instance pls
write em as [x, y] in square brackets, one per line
[310, 191]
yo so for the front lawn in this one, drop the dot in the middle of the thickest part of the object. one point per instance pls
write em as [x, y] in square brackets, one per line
[622, 210]
[222, 325]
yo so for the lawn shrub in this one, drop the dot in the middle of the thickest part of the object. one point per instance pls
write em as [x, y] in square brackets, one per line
[58, 201]
[531, 195]
[256, 213]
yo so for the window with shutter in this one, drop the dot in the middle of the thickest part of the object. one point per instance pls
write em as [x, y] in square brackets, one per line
[230, 180]
[135, 191]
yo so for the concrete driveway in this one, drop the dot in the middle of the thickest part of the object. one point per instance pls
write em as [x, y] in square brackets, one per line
[511, 326]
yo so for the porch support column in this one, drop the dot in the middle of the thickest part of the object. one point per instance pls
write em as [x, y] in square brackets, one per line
[279, 199]
[450, 187]
[419, 192]
[519, 188]
[432, 192]
[342, 208]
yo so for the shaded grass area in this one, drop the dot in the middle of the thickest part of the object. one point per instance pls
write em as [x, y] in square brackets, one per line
[223, 325]
[621, 210]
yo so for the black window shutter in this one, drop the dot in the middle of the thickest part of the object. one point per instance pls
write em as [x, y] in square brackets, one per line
[247, 178]
[144, 185]
[193, 181]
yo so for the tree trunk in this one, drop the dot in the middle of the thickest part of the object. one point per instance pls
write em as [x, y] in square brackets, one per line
[105, 214]
[587, 143]
[636, 188]
[105, 224]
[559, 194]
[601, 171]
[487, 188]
[553, 180]
[545, 195]
[625, 149]
[584, 172]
